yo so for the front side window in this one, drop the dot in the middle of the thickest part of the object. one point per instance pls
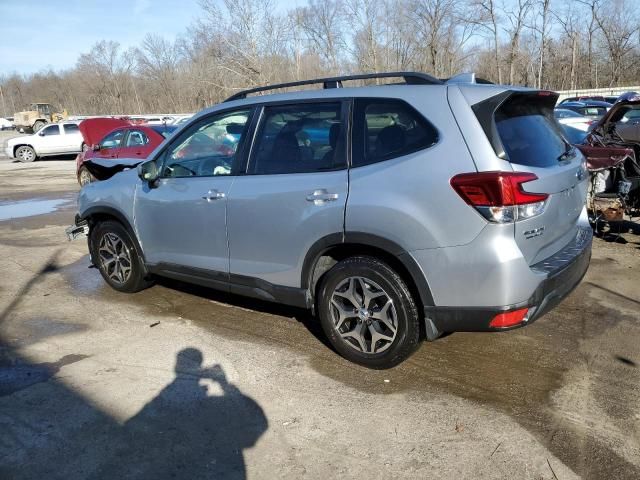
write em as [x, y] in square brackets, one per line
[208, 148]
[51, 130]
[299, 139]
[386, 129]
[113, 140]
[71, 128]
[137, 138]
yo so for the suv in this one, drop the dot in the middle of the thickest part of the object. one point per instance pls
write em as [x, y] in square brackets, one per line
[395, 212]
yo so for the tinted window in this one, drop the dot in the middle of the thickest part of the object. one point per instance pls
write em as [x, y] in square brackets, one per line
[299, 138]
[112, 140]
[386, 129]
[207, 148]
[522, 123]
[71, 128]
[137, 138]
[50, 130]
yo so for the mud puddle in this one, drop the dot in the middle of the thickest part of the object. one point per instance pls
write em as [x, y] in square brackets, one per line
[33, 207]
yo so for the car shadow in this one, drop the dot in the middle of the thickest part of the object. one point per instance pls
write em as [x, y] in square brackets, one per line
[301, 315]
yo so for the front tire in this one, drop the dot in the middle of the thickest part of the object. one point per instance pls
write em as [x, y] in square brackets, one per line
[115, 254]
[26, 154]
[368, 313]
[38, 125]
[85, 177]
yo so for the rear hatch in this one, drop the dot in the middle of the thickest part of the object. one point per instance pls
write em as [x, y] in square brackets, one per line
[526, 134]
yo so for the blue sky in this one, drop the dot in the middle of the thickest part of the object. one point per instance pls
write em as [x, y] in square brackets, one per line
[35, 35]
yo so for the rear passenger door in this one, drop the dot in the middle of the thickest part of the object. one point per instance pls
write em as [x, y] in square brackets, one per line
[135, 145]
[72, 138]
[293, 192]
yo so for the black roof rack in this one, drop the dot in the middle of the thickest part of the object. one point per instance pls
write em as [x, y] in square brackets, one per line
[410, 78]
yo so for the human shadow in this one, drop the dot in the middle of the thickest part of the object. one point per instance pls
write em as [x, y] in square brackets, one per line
[197, 427]
[187, 432]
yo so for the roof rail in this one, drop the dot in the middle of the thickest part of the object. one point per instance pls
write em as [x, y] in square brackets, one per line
[469, 77]
[410, 78]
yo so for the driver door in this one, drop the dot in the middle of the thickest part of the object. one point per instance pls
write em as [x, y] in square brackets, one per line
[181, 221]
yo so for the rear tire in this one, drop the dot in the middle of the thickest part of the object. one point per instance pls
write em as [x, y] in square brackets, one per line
[115, 254]
[26, 154]
[368, 313]
[38, 125]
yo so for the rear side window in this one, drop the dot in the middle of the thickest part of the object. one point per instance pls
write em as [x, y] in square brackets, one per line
[71, 128]
[529, 133]
[301, 138]
[386, 129]
[137, 138]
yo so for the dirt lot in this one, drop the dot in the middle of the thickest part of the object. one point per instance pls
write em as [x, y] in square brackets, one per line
[179, 381]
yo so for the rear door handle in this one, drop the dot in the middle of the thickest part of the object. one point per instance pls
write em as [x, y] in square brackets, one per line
[321, 196]
[213, 195]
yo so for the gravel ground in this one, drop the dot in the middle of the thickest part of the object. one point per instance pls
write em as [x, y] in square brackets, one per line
[181, 381]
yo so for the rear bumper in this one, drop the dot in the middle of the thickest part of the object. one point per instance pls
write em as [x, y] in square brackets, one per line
[563, 272]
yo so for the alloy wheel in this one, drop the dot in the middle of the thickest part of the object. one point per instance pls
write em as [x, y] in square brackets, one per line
[364, 315]
[115, 258]
[26, 154]
[85, 177]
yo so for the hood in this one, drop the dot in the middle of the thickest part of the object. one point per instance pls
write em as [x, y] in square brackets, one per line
[94, 129]
[615, 113]
[103, 169]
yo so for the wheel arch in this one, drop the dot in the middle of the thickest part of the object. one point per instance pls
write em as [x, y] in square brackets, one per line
[17, 146]
[330, 249]
[95, 215]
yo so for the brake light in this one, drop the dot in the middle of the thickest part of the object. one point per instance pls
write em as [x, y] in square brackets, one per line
[499, 196]
[509, 319]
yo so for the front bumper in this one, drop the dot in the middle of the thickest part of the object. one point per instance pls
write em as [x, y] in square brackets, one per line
[79, 229]
[563, 271]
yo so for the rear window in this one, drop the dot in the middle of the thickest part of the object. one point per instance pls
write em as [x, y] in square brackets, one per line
[529, 133]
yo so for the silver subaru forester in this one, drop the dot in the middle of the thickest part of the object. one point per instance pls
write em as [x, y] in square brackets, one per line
[396, 212]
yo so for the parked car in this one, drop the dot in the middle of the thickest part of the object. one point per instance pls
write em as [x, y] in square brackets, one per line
[423, 208]
[583, 98]
[572, 118]
[6, 124]
[588, 108]
[55, 139]
[111, 138]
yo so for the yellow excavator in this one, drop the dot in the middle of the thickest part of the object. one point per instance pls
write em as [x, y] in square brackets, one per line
[37, 116]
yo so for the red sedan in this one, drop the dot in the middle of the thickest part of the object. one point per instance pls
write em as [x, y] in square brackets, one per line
[112, 138]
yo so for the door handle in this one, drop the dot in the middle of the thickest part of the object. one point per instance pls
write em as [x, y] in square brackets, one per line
[213, 195]
[321, 196]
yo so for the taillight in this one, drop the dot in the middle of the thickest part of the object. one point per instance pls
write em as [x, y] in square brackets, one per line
[509, 319]
[499, 196]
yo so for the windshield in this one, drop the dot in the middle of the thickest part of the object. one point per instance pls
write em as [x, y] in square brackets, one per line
[522, 122]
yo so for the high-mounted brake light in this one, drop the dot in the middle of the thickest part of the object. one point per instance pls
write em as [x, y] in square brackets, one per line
[499, 196]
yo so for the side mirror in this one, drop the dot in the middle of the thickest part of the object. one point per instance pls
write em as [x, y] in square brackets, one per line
[148, 172]
[95, 147]
[41, 134]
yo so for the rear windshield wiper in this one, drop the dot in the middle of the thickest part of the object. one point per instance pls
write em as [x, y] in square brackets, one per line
[569, 152]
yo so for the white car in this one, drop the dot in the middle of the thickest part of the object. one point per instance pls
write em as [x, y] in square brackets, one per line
[5, 124]
[573, 119]
[54, 139]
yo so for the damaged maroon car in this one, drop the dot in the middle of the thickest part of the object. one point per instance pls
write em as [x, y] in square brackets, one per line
[112, 139]
[612, 149]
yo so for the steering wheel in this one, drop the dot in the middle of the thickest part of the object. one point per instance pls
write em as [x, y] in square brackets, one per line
[178, 170]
